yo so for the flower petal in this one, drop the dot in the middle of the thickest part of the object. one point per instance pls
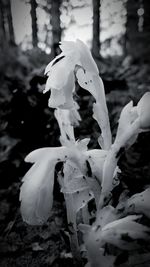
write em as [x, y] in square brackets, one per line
[87, 61]
[57, 98]
[85, 80]
[59, 74]
[69, 48]
[49, 66]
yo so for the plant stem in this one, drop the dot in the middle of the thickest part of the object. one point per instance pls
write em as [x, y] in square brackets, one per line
[71, 218]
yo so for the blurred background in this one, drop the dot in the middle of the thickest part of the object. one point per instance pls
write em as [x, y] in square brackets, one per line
[118, 34]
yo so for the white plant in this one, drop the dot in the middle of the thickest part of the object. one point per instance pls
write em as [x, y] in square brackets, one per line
[87, 174]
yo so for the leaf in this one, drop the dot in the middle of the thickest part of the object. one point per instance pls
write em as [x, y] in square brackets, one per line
[94, 85]
[50, 153]
[76, 185]
[127, 133]
[58, 154]
[139, 203]
[96, 254]
[124, 233]
[96, 158]
[74, 115]
[36, 194]
[109, 179]
[125, 120]
[83, 144]
[105, 216]
[81, 198]
[100, 114]
[74, 181]
[66, 129]
[143, 109]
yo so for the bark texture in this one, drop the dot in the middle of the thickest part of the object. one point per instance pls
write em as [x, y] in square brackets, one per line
[96, 28]
[56, 27]
[34, 23]
[2, 26]
[11, 35]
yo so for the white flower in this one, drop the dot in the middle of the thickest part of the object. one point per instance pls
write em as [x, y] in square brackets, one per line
[76, 60]
[36, 193]
[63, 98]
[61, 72]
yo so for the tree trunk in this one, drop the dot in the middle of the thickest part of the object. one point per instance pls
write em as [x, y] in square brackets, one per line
[56, 28]
[132, 32]
[96, 28]
[2, 27]
[10, 23]
[34, 23]
[146, 31]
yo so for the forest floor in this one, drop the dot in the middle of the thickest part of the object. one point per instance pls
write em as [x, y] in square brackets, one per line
[27, 123]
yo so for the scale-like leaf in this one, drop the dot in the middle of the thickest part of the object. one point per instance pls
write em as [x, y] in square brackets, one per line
[66, 129]
[93, 83]
[143, 110]
[127, 117]
[96, 158]
[124, 233]
[96, 254]
[36, 193]
[140, 203]
[59, 74]
[105, 216]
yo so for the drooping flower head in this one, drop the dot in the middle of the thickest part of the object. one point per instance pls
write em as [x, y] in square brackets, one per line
[76, 63]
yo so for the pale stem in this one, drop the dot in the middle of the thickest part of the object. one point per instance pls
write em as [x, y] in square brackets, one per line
[102, 113]
[71, 218]
[111, 163]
